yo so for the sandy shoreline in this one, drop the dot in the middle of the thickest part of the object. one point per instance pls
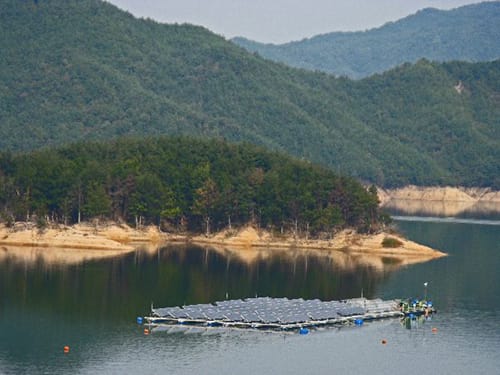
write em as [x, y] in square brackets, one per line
[82, 236]
[85, 241]
[346, 241]
[439, 194]
[440, 201]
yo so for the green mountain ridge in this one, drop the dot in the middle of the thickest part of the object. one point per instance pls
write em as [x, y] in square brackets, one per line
[469, 33]
[84, 70]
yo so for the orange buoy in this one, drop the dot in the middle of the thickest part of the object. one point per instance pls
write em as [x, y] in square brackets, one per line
[66, 349]
[434, 329]
[146, 331]
[384, 341]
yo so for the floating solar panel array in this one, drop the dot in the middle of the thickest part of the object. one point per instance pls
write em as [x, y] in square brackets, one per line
[281, 313]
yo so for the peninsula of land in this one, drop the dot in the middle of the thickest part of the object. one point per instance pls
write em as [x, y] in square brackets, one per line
[95, 241]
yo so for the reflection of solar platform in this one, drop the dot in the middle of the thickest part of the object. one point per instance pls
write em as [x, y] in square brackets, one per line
[275, 313]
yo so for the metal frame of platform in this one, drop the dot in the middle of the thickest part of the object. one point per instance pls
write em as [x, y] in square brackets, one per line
[279, 313]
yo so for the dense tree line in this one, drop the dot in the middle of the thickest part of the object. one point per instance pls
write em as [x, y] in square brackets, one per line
[182, 184]
[75, 70]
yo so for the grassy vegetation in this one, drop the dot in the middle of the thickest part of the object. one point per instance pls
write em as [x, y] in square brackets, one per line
[391, 242]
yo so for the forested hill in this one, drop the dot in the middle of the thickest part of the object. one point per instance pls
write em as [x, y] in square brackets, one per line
[469, 33]
[182, 184]
[84, 70]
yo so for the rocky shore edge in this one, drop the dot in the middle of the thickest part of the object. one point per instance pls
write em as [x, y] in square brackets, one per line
[120, 237]
[439, 193]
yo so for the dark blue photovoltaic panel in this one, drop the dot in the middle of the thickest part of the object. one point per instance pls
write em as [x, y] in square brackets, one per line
[274, 310]
[251, 317]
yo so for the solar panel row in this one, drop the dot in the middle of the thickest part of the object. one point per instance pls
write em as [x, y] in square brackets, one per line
[274, 310]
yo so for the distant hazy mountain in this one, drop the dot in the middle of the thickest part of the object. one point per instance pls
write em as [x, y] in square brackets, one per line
[470, 33]
[75, 70]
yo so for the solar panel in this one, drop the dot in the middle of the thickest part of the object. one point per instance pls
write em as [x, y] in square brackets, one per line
[323, 314]
[163, 311]
[295, 317]
[269, 317]
[266, 310]
[195, 313]
[251, 317]
[181, 314]
[234, 316]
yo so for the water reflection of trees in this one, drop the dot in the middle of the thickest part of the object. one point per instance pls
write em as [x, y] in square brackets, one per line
[271, 273]
[125, 286]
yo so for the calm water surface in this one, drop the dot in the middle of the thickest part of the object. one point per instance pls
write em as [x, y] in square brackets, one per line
[92, 307]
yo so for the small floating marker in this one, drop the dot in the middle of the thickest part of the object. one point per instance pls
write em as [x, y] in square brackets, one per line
[66, 349]
[139, 320]
[384, 341]
[303, 331]
[146, 331]
[434, 330]
[358, 322]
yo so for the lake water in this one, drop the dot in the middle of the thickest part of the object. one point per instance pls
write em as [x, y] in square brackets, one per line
[92, 307]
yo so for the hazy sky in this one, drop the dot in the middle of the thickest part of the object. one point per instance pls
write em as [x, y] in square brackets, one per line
[278, 21]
